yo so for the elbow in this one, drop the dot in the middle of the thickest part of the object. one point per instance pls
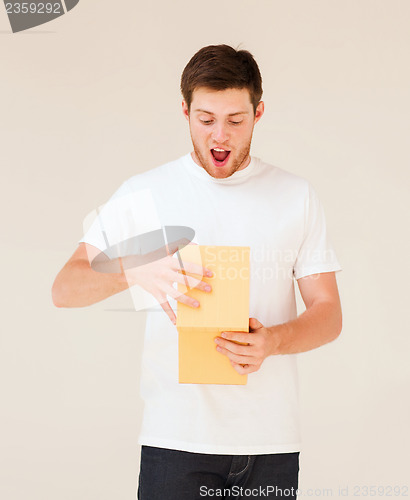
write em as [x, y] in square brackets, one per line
[56, 299]
[338, 331]
[338, 324]
[57, 295]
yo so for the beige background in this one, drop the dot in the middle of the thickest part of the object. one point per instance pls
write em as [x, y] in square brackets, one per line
[92, 98]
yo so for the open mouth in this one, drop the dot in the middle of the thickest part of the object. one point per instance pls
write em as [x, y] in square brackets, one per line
[220, 156]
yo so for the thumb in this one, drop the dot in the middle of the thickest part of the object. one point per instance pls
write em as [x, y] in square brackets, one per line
[255, 324]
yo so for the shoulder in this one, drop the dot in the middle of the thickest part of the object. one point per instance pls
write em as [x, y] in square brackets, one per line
[160, 175]
[283, 178]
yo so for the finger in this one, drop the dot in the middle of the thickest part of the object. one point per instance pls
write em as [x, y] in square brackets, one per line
[169, 311]
[237, 358]
[255, 324]
[243, 337]
[186, 269]
[192, 268]
[241, 369]
[244, 369]
[233, 347]
[192, 282]
[180, 297]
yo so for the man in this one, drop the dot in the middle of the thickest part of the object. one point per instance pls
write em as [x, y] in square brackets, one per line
[203, 440]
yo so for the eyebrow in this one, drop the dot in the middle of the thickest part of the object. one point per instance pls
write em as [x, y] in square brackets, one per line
[230, 114]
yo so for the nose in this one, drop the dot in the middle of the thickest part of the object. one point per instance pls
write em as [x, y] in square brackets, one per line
[219, 133]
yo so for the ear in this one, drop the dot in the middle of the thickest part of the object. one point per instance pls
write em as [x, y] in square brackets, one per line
[185, 111]
[259, 111]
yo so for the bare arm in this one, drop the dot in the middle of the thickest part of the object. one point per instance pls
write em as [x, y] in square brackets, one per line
[319, 324]
[78, 285]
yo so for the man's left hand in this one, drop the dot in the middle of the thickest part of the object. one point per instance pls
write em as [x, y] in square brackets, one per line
[260, 343]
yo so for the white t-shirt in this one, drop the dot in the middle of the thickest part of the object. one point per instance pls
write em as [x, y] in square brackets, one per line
[278, 215]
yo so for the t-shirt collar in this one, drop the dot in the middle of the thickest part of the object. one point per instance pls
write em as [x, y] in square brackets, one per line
[237, 177]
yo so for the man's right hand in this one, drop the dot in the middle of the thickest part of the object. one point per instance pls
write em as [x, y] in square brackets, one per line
[80, 283]
[158, 277]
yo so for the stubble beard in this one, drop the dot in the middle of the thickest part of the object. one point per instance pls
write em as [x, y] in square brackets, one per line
[237, 163]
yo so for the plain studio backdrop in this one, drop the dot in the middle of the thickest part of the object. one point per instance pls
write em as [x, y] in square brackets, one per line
[92, 98]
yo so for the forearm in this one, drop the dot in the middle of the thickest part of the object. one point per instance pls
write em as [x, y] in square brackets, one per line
[78, 285]
[319, 324]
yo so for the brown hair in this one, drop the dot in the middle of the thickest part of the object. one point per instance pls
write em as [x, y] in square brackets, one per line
[221, 67]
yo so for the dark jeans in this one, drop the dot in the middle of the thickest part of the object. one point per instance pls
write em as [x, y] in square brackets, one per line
[180, 475]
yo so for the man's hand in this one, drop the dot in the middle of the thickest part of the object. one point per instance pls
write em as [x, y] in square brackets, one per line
[158, 277]
[260, 343]
[319, 324]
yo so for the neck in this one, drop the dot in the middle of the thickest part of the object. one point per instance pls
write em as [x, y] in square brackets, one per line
[245, 163]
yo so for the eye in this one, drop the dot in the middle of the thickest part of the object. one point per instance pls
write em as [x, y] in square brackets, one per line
[236, 123]
[206, 122]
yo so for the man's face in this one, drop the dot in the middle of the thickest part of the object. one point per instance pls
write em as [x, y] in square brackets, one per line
[221, 125]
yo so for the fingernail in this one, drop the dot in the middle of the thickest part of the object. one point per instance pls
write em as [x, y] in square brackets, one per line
[209, 273]
[208, 288]
[196, 304]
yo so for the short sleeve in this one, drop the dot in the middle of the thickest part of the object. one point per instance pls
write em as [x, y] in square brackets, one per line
[116, 229]
[127, 214]
[98, 225]
[316, 253]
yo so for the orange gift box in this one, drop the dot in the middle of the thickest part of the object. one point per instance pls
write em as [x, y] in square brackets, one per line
[225, 308]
